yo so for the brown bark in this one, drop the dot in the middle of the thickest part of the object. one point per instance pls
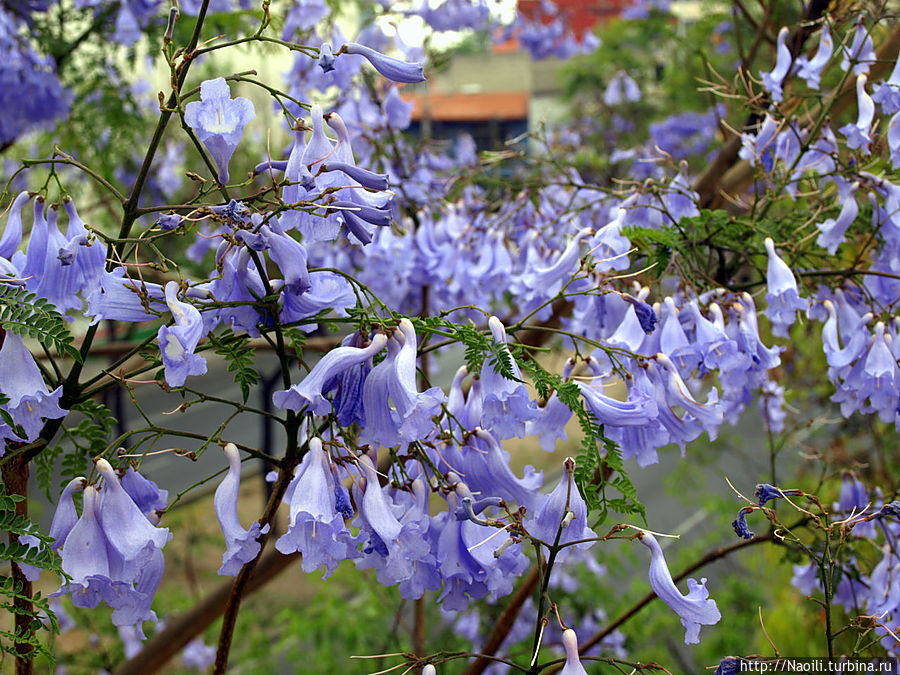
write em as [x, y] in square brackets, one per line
[15, 479]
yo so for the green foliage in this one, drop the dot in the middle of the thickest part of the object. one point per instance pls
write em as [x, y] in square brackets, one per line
[240, 357]
[596, 468]
[478, 346]
[25, 314]
[84, 441]
[35, 607]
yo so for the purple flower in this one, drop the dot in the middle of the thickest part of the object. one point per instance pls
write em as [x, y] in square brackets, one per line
[395, 409]
[893, 138]
[219, 121]
[858, 137]
[310, 391]
[507, 405]
[861, 53]
[765, 493]
[832, 231]
[695, 608]
[316, 526]
[177, 343]
[573, 661]
[393, 547]
[198, 655]
[486, 467]
[241, 546]
[126, 528]
[12, 233]
[782, 295]
[811, 69]
[887, 94]
[740, 523]
[21, 382]
[563, 511]
[145, 493]
[89, 255]
[117, 298]
[391, 68]
[773, 79]
[550, 424]
[326, 58]
[621, 89]
[65, 516]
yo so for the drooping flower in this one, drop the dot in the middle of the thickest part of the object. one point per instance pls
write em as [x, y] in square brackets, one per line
[395, 409]
[65, 516]
[113, 553]
[740, 523]
[507, 405]
[861, 53]
[833, 231]
[127, 529]
[765, 493]
[316, 526]
[326, 58]
[12, 233]
[241, 546]
[887, 94]
[30, 401]
[773, 79]
[695, 608]
[621, 89]
[177, 343]
[145, 493]
[563, 511]
[486, 467]
[811, 69]
[310, 391]
[782, 294]
[857, 134]
[391, 68]
[573, 661]
[219, 121]
[550, 424]
[391, 545]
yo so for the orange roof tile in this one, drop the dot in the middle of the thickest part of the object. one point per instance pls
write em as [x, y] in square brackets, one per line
[470, 107]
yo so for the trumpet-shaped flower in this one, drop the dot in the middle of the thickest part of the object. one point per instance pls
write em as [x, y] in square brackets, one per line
[395, 409]
[391, 68]
[12, 233]
[392, 546]
[219, 121]
[507, 406]
[30, 401]
[177, 343]
[563, 511]
[765, 493]
[811, 69]
[241, 546]
[858, 137]
[772, 80]
[695, 608]
[145, 493]
[861, 53]
[316, 526]
[782, 294]
[310, 391]
[65, 516]
[573, 661]
[832, 231]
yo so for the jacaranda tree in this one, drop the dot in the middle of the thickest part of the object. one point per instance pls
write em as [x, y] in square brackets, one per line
[713, 230]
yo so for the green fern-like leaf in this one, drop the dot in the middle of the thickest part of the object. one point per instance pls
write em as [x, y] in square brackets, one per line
[25, 314]
[240, 358]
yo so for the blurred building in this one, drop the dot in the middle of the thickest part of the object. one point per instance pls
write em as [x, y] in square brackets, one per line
[500, 94]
